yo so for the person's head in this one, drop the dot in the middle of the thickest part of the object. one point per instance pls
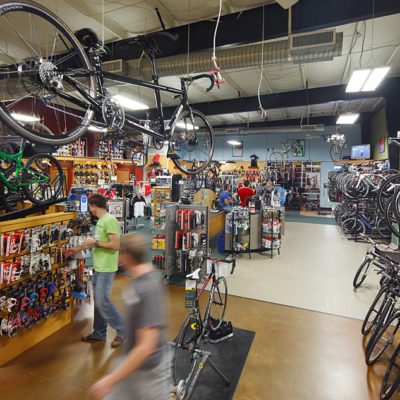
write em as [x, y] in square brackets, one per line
[133, 248]
[226, 187]
[97, 204]
[268, 185]
[246, 183]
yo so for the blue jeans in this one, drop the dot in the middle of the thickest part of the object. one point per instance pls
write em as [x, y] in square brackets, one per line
[105, 311]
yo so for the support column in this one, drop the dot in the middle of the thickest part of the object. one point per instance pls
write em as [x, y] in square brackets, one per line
[393, 125]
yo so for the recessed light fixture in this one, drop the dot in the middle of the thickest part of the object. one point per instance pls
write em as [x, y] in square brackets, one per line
[234, 142]
[366, 80]
[348, 118]
[25, 118]
[129, 103]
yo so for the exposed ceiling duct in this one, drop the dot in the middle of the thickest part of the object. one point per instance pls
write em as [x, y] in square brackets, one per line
[277, 52]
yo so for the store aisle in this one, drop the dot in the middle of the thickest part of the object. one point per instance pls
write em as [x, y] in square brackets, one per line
[314, 271]
[296, 354]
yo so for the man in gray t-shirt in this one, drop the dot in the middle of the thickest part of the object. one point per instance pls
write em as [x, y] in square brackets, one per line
[143, 373]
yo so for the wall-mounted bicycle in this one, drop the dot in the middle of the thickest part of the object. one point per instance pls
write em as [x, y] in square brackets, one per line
[46, 73]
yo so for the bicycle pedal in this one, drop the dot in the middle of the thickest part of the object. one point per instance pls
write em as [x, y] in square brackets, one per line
[173, 156]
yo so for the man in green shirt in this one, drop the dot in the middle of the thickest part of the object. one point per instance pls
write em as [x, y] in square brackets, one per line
[105, 265]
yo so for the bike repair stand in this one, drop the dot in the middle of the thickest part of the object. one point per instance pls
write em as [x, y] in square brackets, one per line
[205, 358]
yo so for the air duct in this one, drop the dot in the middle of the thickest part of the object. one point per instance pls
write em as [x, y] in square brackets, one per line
[277, 52]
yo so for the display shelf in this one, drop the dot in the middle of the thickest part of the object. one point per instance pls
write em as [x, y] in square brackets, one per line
[93, 159]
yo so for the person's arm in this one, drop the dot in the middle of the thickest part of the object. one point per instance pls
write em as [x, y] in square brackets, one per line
[113, 244]
[146, 343]
[235, 197]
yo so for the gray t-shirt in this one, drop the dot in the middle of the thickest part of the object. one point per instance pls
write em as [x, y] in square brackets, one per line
[144, 300]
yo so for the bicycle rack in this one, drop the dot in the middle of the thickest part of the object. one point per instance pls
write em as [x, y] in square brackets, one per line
[24, 212]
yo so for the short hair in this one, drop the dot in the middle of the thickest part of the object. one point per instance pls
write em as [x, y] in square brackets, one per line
[134, 244]
[226, 186]
[246, 183]
[98, 200]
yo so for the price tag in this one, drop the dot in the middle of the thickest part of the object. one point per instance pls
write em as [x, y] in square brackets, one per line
[100, 181]
[83, 204]
[114, 178]
[223, 269]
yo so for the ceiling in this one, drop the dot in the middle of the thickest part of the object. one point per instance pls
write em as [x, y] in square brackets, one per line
[366, 43]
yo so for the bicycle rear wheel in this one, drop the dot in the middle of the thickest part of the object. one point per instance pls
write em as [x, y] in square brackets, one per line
[361, 273]
[44, 73]
[218, 303]
[9, 198]
[185, 357]
[336, 153]
[45, 183]
[391, 379]
[191, 142]
[374, 312]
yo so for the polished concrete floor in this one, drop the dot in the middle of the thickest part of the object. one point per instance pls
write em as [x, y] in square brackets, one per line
[296, 355]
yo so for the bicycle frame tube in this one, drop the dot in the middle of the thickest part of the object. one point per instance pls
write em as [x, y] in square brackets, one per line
[17, 158]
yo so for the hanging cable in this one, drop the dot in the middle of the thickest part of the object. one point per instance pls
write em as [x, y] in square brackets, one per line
[262, 110]
[217, 69]
[102, 22]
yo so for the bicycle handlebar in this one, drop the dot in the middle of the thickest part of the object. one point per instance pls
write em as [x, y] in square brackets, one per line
[225, 260]
[202, 76]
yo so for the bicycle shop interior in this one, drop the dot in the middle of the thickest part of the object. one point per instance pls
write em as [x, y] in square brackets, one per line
[255, 143]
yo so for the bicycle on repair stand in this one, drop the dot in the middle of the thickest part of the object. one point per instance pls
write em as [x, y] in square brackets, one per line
[189, 357]
[46, 72]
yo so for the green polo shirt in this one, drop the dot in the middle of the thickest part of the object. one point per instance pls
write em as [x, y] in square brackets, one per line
[105, 260]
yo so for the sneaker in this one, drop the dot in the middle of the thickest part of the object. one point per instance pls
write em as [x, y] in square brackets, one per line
[118, 340]
[90, 339]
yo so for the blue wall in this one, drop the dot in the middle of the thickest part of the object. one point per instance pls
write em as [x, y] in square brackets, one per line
[315, 149]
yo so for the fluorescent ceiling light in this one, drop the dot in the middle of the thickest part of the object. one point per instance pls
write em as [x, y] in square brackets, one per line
[129, 103]
[186, 126]
[366, 80]
[347, 118]
[25, 118]
[357, 80]
[95, 128]
[234, 142]
[375, 78]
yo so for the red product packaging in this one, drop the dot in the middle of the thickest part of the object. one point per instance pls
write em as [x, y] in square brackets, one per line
[13, 243]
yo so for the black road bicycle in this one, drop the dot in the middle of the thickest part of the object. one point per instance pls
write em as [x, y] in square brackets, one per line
[51, 91]
[195, 330]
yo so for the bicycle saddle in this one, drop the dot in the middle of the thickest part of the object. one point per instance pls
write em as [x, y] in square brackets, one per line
[194, 275]
[88, 37]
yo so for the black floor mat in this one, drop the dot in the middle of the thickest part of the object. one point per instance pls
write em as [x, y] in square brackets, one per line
[230, 357]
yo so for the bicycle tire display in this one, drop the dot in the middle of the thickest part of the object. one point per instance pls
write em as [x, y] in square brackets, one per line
[192, 141]
[47, 68]
[44, 190]
[185, 358]
[391, 379]
[218, 303]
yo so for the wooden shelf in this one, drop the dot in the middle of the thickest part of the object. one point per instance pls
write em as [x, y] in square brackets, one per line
[92, 159]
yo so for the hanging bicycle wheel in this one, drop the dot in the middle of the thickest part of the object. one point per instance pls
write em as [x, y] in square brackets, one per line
[43, 184]
[276, 157]
[139, 157]
[44, 73]
[391, 379]
[191, 142]
[10, 198]
[185, 356]
[218, 303]
[336, 153]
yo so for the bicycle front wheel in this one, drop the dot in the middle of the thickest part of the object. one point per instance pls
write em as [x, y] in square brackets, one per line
[218, 303]
[361, 273]
[191, 142]
[185, 355]
[336, 153]
[42, 179]
[45, 76]
[391, 379]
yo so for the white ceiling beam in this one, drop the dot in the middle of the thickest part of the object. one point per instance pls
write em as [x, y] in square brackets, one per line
[227, 7]
[268, 81]
[390, 59]
[91, 12]
[361, 105]
[376, 105]
[348, 59]
[168, 18]
[231, 82]
[303, 74]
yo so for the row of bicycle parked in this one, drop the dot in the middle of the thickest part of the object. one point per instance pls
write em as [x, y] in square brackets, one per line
[369, 199]
[382, 321]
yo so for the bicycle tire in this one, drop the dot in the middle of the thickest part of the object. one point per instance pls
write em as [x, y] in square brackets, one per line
[361, 273]
[276, 157]
[391, 220]
[139, 158]
[9, 198]
[374, 311]
[383, 339]
[383, 228]
[218, 303]
[198, 181]
[43, 75]
[42, 192]
[353, 226]
[188, 136]
[387, 190]
[395, 203]
[157, 143]
[391, 378]
[336, 154]
[185, 356]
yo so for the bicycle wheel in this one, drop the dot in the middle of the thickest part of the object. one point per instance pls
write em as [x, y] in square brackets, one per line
[10, 198]
[218, 303]
[384, 339]
[391, 379]
[191, 142]
[139, 157]
[383, 228]
[40, 184]
[353, 226]
[45, 75]
[198, 181]
[391, 220]
[374, 311]
[361, 273]
[157, 143]
[386, 191]
[276, 157]
[336, 153]
[185, 356]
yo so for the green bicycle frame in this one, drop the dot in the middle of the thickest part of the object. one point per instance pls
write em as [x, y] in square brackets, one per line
[16, 159]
